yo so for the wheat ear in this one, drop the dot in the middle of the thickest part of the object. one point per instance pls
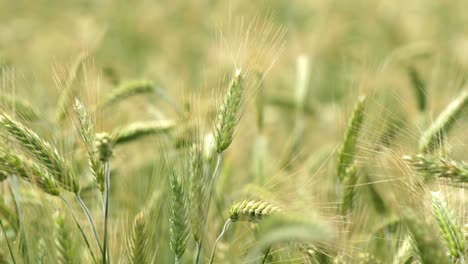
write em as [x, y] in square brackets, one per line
[433, 136]
[252, 211]
[128, 89]
[138, 241]
[228, 115]
[63, 241]
[16, 165]
[348, 147]
[88, 136]
[178, 217]
[21, 108]
[138, 130]
[449, 229]
[42, 151]
[349, 182]
[430, 167]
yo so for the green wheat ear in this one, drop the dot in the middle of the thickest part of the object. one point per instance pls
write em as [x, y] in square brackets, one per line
[178, 216]
[430, 167]
[449, 229]
[20, 107]
[228, 115]
[138, 242]
[139, 130]
[251, 211]
[348, 147]
[12, 164]
[128, 89]
[42, 151]
[432, 138]
[63, 241]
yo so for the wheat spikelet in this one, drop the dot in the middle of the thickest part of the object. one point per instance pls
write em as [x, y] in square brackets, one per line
[41, 151]
[439, 168]
[228, 114]
[21, 108]
[63, 241]
[138, 130]
[178, 216]
[251, 211]
[433, 136]
[348, 147]
[450, 231]
[13, 164]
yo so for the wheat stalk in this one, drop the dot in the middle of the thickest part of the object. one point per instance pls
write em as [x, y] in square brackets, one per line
[128, 89]
[433, 136]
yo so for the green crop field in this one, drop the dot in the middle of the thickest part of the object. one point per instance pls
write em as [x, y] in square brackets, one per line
[233, 131]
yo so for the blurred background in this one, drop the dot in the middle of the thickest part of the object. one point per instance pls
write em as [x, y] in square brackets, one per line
[386, 49]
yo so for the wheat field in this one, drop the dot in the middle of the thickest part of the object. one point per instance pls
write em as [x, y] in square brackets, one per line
[233, 131]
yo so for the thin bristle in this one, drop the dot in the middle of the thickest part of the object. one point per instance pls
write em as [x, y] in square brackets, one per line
[433, 136]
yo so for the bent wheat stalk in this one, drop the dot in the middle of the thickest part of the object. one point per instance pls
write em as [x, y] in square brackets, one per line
[433, 136]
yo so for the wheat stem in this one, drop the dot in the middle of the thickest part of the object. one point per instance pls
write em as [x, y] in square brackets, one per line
[267, 253]
[90, 219]
[198, 251]
[105, 259]
[225, 227]
[79, 228]
[16, 199]
[8, 242]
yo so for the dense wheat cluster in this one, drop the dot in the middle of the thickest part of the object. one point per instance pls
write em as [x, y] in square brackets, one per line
[233, 132]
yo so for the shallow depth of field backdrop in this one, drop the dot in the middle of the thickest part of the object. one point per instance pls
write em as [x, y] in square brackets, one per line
[366, 191]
